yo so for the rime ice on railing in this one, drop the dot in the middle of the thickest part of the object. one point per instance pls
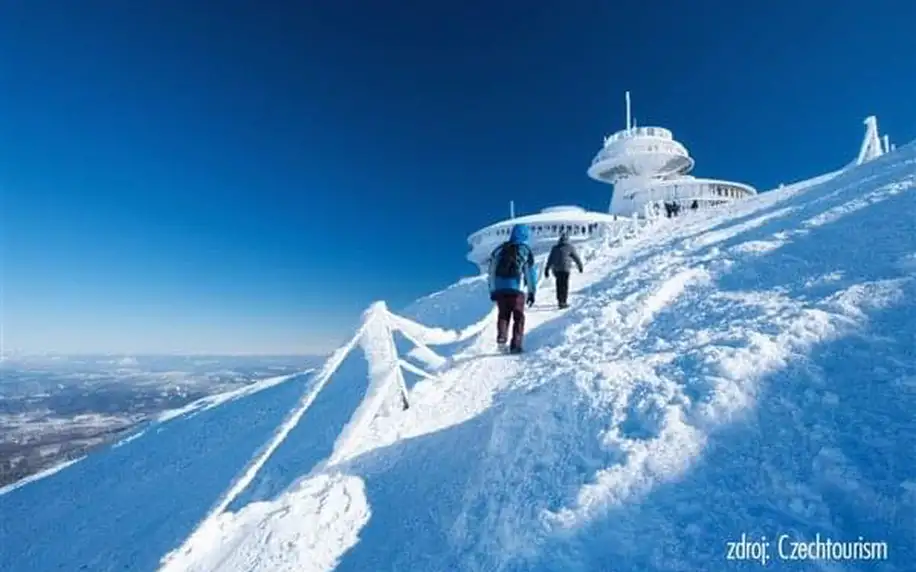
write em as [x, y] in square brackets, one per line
[387, 391]
[873, 145]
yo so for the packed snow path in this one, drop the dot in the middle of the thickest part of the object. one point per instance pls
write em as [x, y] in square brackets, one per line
[744, 372]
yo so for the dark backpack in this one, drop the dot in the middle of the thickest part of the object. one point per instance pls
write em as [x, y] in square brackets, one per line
[511, 261]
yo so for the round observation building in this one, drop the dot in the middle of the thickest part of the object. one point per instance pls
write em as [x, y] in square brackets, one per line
[546, 226]
[647, 166]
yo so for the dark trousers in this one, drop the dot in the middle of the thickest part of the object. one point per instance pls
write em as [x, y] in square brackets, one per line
[511, 306]
[562, 287]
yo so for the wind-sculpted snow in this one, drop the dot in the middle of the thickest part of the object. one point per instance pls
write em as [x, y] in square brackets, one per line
[747, 372]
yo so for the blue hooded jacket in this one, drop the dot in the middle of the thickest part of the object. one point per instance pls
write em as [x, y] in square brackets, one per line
[520, 234]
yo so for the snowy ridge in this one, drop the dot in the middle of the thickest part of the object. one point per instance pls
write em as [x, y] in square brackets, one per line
[699, 354]
[127, 504]
[743, 371]
[188, 411]
[385, 393]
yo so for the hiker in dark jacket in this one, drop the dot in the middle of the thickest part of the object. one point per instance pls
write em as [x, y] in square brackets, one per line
[511, 270]
[560, 261]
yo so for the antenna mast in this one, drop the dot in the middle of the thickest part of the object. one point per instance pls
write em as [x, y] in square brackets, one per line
[511, 209]
[629, 126]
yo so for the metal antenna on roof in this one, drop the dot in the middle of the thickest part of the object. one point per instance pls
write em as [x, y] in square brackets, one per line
[511, 209]
[629, 124]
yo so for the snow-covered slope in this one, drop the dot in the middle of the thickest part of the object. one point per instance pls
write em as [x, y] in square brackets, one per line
[124, 507]
[749, 371]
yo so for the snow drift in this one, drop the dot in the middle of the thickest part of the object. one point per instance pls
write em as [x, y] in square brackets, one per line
[744, 372]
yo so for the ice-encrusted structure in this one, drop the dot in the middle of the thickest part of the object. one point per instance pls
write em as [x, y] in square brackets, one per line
[648, 168]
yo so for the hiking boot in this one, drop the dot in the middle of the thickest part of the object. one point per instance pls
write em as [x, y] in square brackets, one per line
[515, 350]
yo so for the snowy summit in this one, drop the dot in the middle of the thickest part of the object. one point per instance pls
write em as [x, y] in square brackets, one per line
[737, 384]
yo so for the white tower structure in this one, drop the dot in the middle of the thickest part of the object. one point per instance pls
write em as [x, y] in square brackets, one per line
[647, 168]
[873, 145]
[647, 165]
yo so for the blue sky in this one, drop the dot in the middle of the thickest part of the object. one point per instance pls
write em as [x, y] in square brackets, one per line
[181, 178]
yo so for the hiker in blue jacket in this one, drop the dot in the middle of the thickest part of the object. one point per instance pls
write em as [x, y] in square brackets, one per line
[511, 269]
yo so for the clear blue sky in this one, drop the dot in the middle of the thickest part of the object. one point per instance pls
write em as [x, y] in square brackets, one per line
[247, 176]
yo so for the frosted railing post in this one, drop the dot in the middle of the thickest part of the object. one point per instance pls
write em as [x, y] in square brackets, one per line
[871, 144]
[603, 235]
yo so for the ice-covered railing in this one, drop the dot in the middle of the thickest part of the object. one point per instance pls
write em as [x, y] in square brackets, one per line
[873, 145]
[610, 235]
[380, 322]
[387, 391]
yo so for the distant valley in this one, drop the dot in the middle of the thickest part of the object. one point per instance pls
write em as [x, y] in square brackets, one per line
[58, 408]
